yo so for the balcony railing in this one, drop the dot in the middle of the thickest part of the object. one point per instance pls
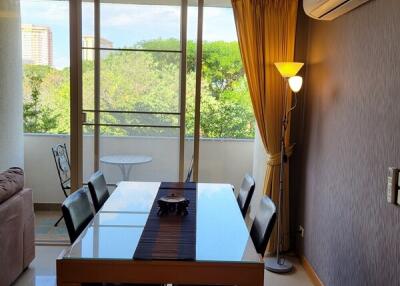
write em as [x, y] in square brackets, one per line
[221, 160]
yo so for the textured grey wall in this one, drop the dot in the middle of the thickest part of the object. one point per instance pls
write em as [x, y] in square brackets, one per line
[351, 136]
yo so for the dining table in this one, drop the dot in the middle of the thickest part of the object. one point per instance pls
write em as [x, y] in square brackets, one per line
[114, 247]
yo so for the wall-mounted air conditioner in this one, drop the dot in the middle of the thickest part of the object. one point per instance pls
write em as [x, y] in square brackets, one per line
[329, 9]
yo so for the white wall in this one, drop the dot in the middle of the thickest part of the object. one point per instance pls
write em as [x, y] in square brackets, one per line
[221, 160]
[40, 170]
[225, 161]
[11, 124]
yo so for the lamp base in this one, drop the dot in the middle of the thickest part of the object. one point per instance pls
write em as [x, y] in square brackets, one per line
[271, 264]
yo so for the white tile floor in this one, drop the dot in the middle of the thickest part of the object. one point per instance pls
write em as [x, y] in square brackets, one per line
[298, 277]
[42, 271]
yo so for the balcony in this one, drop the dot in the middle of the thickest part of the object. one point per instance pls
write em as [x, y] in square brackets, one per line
[221, 160]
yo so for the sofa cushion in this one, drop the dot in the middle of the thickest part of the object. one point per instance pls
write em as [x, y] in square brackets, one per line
[11, 182]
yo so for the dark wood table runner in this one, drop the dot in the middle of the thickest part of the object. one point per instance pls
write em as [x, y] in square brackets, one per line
[170, 237]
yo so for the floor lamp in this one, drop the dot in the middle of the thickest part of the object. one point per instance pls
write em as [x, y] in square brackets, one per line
[288, 71]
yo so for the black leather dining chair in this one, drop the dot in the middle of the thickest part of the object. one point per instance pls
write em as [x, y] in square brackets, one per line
[98, 190]
[77, 213]
[246, 193]
[263, 224]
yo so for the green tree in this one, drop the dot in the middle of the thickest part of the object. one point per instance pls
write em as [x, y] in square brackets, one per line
[230, 115]
[37, 118]
[147, 82]
[222, 64]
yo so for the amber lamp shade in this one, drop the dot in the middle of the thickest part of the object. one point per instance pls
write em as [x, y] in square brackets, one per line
[288, 69]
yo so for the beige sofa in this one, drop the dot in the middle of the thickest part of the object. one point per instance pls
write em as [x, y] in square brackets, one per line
[17, 237]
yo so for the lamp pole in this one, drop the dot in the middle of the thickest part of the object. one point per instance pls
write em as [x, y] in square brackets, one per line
[279, 264]
[281, 176]
[288, 70]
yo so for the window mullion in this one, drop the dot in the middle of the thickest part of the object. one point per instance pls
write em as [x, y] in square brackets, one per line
[199, 64]
[182, 85]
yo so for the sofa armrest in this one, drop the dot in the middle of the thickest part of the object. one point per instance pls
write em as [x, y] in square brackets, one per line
[29, 227]
[11, 238]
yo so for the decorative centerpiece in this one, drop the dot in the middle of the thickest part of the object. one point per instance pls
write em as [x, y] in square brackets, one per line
[173, 204]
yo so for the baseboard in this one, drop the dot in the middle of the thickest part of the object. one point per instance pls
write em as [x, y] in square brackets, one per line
[47, 206]
[310, 271]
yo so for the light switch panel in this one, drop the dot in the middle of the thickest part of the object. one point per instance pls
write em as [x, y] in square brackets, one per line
[392, 185]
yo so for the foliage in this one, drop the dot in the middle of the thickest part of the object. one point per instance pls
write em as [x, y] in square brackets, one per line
[37, 118]
[149, 82]
[222, 64]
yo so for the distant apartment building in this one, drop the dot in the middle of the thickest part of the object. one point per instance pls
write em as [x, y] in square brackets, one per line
[88, 42]
[37, 45]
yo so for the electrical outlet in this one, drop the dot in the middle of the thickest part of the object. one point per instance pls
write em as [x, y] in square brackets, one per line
[392, 185]
[301, 231]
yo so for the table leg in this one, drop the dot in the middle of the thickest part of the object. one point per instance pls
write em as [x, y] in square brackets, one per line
[125, 174]
[128, 172]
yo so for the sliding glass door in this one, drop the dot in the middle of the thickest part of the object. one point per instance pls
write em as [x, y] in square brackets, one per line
[44, 42]
[155, 85]
[226, 115]
[133, 86]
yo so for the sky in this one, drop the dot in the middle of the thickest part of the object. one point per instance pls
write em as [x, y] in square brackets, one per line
[125, 25]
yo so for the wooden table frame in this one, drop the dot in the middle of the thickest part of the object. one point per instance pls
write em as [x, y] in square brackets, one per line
[247, 270]
[73, 272]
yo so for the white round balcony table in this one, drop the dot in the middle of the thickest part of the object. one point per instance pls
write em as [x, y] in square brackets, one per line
[125, 162]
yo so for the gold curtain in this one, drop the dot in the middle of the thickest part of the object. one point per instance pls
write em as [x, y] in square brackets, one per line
[266, 32]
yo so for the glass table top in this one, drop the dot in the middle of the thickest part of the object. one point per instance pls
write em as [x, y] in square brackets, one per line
[120, 219]
[107, 242]
[115, 231]
[132, 197]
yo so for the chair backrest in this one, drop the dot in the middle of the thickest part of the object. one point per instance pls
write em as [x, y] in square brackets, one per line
[77, 213]
[98, 190]
[60, 154]
[246, 193]
[190, 171]
[263, 224]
